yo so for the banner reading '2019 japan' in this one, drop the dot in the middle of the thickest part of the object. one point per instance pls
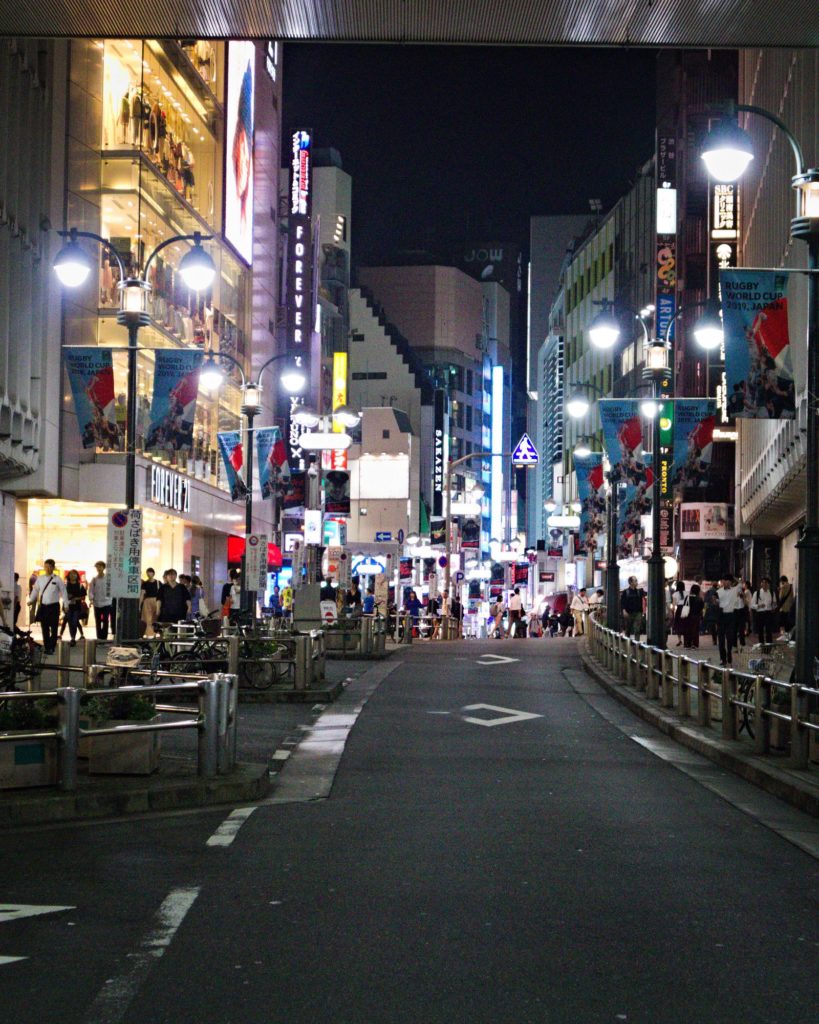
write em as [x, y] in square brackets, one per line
[91, 374]
[590, 491]
[633, 503]
[274, 469]
[758, 363]
[623, 438]
[693, 442]
[173, 406]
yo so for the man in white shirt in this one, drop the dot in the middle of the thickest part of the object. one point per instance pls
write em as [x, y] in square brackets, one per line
[762, 605]
[579, 608]
[730, 600]
[99, 594]
[47, 594]
[515, 612]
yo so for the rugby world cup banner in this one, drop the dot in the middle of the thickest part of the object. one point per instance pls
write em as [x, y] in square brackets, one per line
[758, 362]
[634, 503]
[623, 439]
[693, 441]
[91, 375]
[230, 445]
[592, 495]
[274, 469]
[173, 406]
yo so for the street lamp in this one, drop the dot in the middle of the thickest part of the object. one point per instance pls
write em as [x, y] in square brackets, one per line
[604, 329]
[72, 265]
[582, 449]
[727, 152]
[293, 379]
[657, 372]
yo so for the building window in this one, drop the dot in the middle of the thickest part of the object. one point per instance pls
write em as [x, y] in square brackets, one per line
[470, 382]
[370, 376]
[469, 417]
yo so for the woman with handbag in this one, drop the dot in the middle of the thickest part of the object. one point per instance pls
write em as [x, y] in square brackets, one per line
[691, 616]
[77, 611]
[677, 604]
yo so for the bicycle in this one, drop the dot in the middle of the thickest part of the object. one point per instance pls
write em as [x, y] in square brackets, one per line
[21, 658]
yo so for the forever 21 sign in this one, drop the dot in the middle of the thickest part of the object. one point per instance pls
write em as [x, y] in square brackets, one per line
[170, 490]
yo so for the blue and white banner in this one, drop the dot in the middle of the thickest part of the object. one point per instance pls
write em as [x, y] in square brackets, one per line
[692, 442]
[91, 375]
[623, 439]
[633, 503]
[230, 445]
[274, 469]
[173, 406]
[592, 495]
[758, 364]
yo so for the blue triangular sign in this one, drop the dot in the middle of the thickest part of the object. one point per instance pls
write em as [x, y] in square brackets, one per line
[525, 454]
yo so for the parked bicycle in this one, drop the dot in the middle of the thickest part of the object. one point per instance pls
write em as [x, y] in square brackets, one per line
[21, 658]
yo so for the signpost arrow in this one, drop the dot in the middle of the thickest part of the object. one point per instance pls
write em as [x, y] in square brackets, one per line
[16, 911]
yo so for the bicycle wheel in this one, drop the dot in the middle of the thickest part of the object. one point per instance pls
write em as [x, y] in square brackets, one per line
[747, 717]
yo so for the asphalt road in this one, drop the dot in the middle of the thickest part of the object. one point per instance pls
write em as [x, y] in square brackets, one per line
[548, 869]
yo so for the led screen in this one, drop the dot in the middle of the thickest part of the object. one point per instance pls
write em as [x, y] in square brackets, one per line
[239, 148]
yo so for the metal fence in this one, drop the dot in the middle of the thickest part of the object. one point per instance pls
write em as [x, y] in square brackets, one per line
[765, 709]
[216, 720]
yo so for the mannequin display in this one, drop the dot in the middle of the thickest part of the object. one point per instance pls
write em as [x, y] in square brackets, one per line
[124, 118]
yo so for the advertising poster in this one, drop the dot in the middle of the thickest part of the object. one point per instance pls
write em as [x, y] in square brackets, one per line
[592, 495]
[623, 439]
[382, 593]
[634, 502]
[758, 362]
[230, 445]
[520, 574]
[405, 570]
[271, 454]
[239, 118]
[337, 492]
[294, 492]
[706, 521]
[470, 534]
[693, 442]
[91, 375]
[437, 531]
[173, 406]
[124, 552]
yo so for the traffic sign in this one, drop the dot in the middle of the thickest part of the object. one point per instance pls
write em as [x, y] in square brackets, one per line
[525, 454]
[383, 536]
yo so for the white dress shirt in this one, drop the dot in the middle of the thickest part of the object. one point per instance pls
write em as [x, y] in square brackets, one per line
[99, 591]
[49, 590]
[762, 601]
[730, 599]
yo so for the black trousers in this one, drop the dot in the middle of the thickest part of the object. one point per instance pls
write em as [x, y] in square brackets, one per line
[726, 636]
[764, 626]
[49, 620]
[103, 619]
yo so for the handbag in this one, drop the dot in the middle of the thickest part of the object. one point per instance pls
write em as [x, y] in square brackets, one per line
[685, 611]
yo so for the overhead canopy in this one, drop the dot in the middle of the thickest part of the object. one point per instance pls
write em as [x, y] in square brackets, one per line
[654, 23]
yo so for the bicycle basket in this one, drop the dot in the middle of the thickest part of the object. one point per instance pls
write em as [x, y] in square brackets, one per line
[123, 657]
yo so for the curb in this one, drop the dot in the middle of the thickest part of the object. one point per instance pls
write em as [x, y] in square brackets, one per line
[802, 793]
[318, 695]
[245, 784]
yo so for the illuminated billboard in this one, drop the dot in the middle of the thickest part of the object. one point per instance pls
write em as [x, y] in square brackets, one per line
[239, 148]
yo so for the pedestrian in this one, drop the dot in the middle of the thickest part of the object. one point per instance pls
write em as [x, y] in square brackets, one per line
[677, 602]
[197, 591]
[580, 608]
[276, 602]
[47, 595]
[633, 608]
[77, 609]
[496, 611]
[763, 607]
[99, 596]
[174, 599]
[413, 608]
[287, 601]
[434, 613]
[691, 619]
[18, 599]
[729, 603]
[597, 600]
[456, 614]
[368, 603]
[712, 611]
[354, 595]
[515, 611]
[786, 601]
[149, 602]
[743, 612]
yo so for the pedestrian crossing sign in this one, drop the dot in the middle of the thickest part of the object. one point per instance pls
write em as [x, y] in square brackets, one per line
[525, 454]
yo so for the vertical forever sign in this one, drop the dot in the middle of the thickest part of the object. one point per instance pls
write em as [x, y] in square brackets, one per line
[299, 271]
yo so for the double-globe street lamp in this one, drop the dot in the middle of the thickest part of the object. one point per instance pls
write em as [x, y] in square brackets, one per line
[727, 152]
[293, 380]
[73, 266]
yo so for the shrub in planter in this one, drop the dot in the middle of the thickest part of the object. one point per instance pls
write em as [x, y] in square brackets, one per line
[127, 753]
[27, 762]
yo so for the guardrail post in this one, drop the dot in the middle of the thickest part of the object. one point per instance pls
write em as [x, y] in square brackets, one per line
[729, 711]
[643, 674]
[667, 690]
[232, 686]
[703, 706]
[800, 736]
[319, 662]
[223, 721]
[89, 655]
[68, 706]
[63, 660]
[208, 749]
[366, 636]
[652, 688]
[762, 724]
[407, 637]
[233, 655]
[683, 695]
[302, 660]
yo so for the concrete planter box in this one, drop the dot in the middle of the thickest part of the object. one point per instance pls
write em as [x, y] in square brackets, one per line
[340, 640]
[26, 762]
[135, 753]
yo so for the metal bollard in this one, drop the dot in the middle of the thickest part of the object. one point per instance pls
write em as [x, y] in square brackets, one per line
[223, 699]
[667, 691]
[407, 638]
[89, 656]
[366, 636]
[683, 695]
[800, 737]
[652, 658]
[68, 705]
[320, 656]
[302, 671]
[208, 747]
[762, 723]
[703, 705]
[233, 655]
[63, 660]
[729, 711]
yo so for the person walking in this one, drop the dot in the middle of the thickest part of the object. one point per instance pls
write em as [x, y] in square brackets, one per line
[712, 611]
[763, 607]
[496, 611]
[18, 600]
[287, 601]
[743, 613]
[690, 620]
[729, 602]
[786, 602]
[456, 614]
[580, 608]
[413, 608]
[677, 604]
[633, 607]
[149, 602]
[174, 599]
[47, 595]
[515, 612]
[197, 592]
[77, 609]
[99, 595]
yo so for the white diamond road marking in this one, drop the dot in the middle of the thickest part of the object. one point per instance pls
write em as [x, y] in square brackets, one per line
[15, 911]
[495, 659]
[509, 715]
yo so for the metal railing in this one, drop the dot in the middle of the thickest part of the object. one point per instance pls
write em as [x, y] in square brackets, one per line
[216, 720]
[734, 700]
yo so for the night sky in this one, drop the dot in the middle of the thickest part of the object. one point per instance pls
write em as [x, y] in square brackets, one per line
[448, 143]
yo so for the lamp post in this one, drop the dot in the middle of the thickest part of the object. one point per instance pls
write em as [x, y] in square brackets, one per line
[656, 371]
[612, 568]
[448, 536]
[212, 376]
[73, 267]
[727, 152]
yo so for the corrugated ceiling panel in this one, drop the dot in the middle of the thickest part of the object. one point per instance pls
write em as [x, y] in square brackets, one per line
[718, 23]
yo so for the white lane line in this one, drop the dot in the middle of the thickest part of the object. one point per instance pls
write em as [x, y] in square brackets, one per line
[226, 833]
[114, 998]
[11, 959]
